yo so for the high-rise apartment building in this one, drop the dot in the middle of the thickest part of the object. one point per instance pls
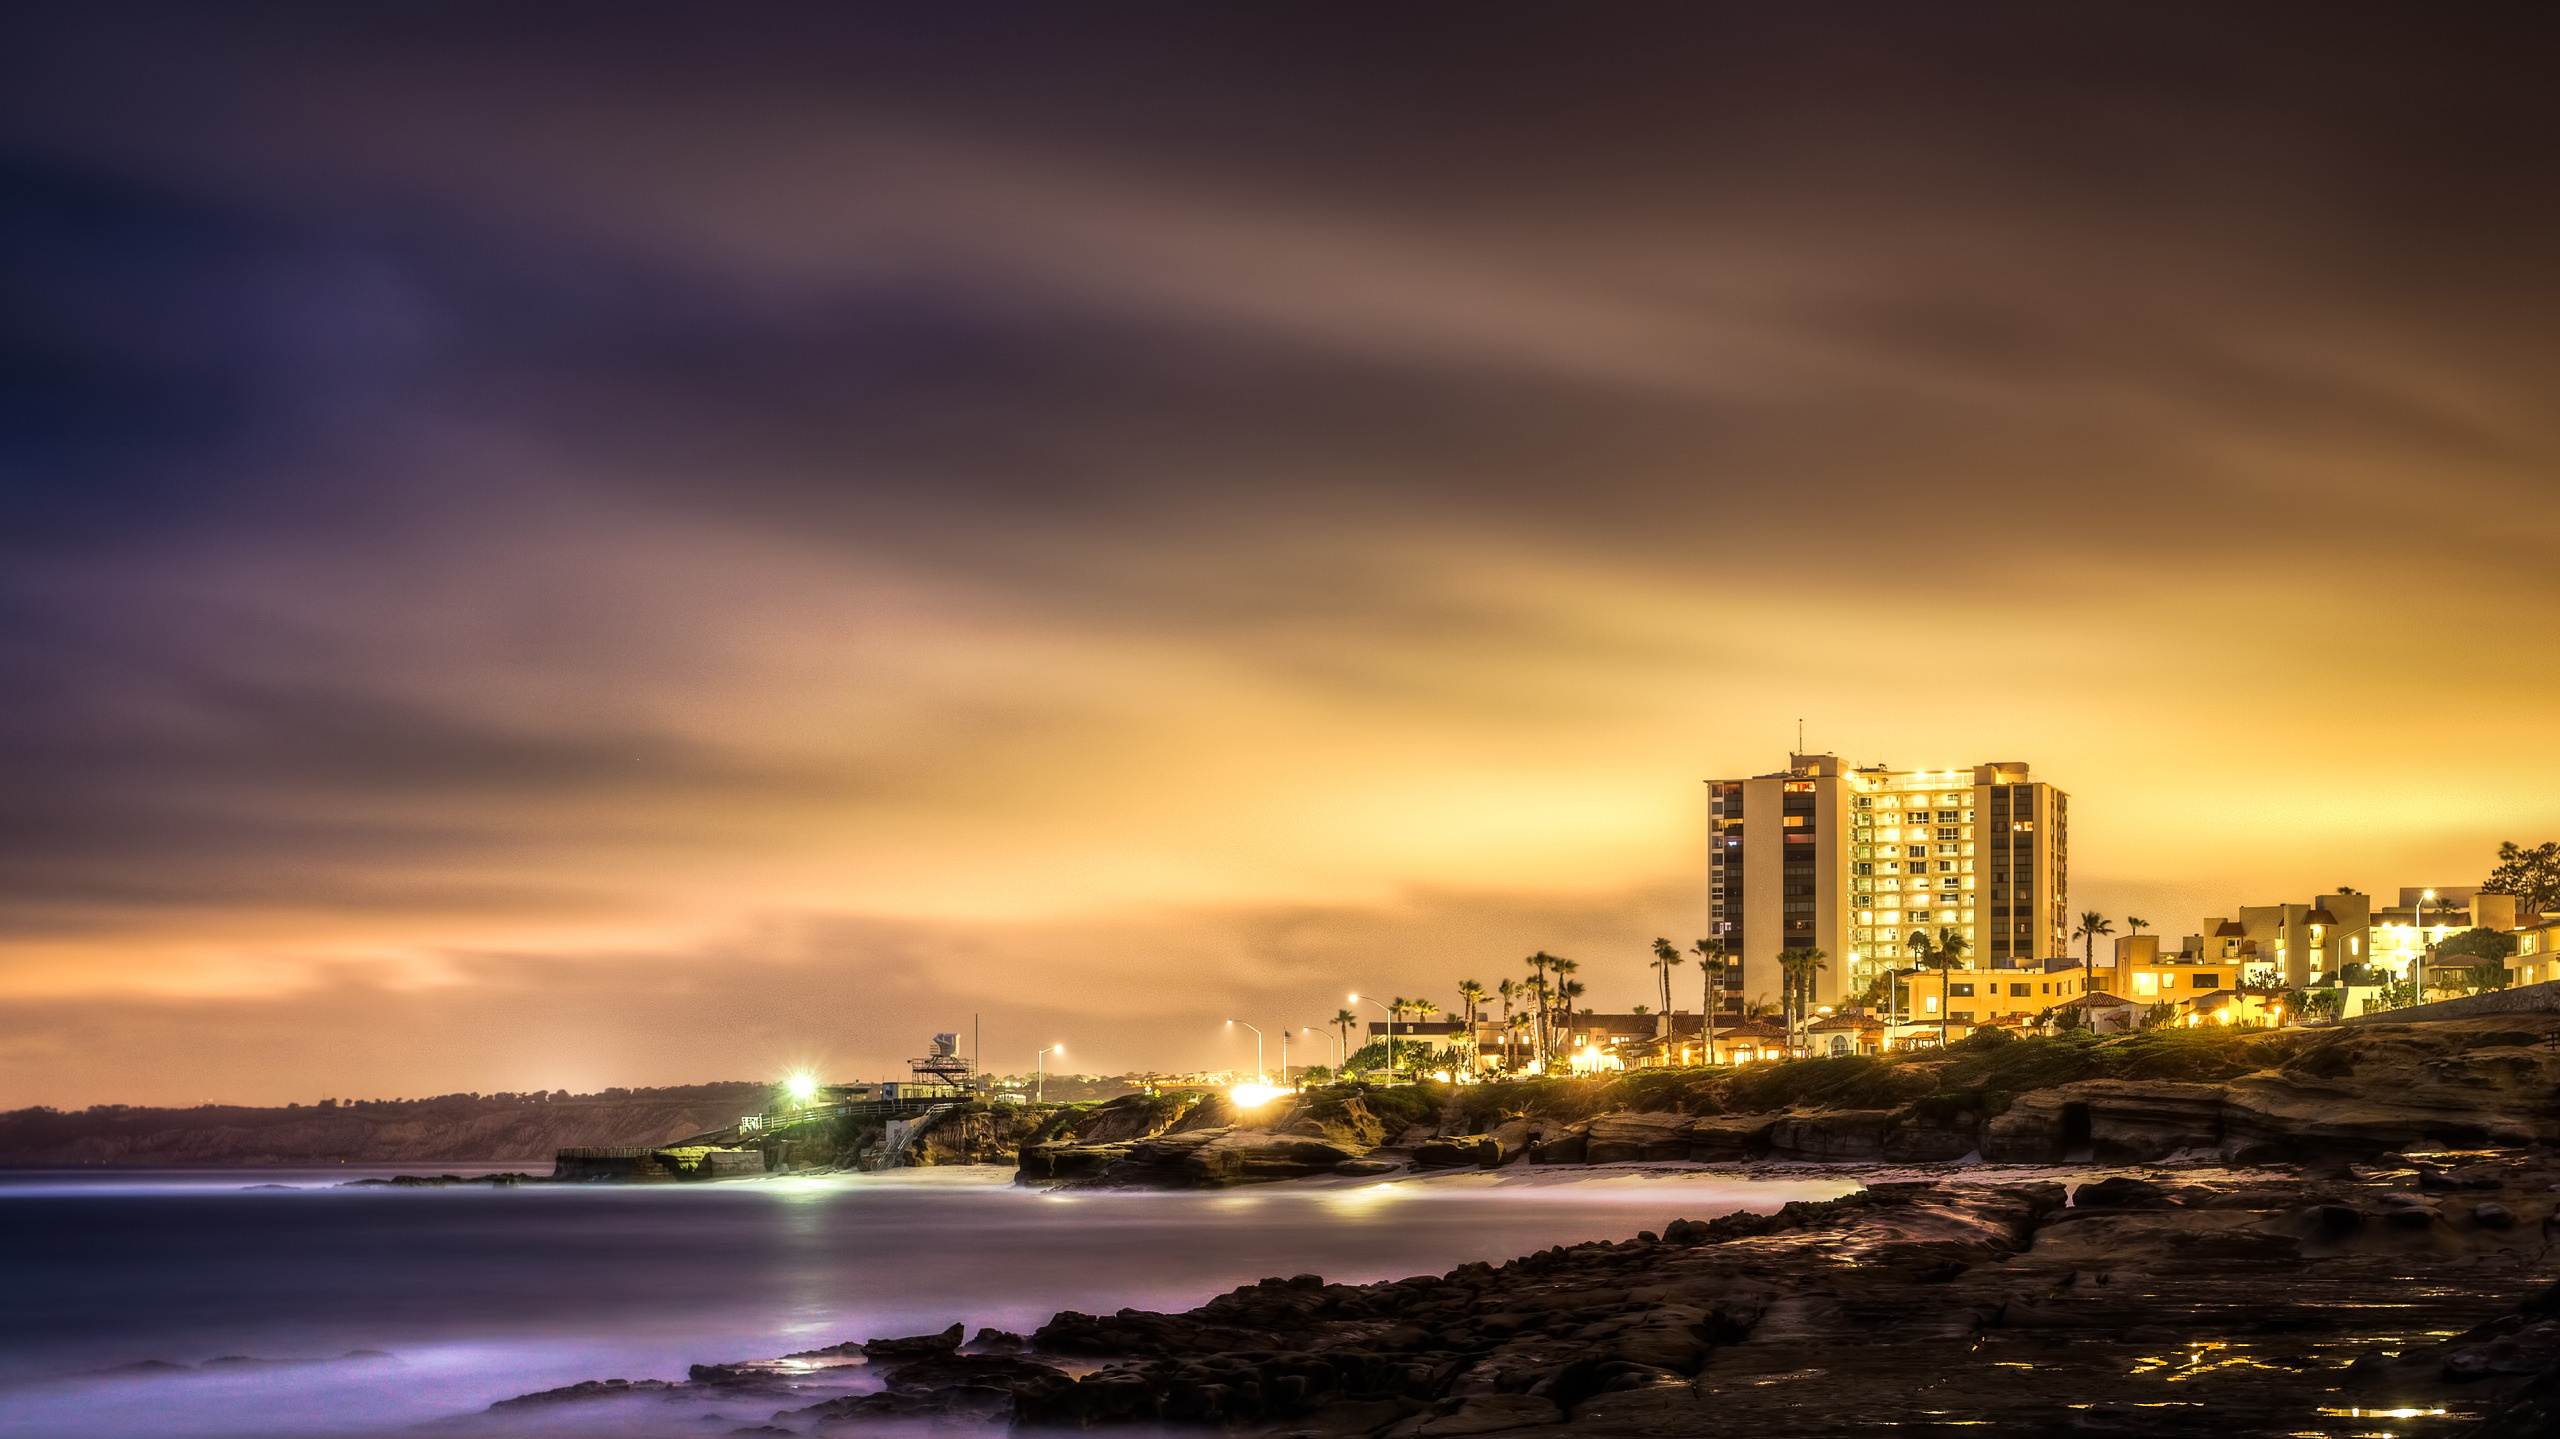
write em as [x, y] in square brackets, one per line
[1854, 862]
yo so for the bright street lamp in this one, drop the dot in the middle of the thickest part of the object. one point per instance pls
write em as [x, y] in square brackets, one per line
[1257, 1049]
[2424, 895]
[1038, 1063]
[1335, 1040]
[1391, 1028]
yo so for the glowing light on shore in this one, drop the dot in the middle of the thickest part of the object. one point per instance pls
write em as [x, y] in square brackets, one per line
[1254, 1096]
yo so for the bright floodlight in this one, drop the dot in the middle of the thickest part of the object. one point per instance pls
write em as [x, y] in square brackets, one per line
[801, 1087]
[1254, 1096]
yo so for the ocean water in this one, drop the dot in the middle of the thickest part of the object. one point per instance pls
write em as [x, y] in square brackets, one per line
[142, 1305]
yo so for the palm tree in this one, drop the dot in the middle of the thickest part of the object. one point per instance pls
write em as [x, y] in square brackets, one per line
[1951, 947]
[1472, 995]
[1925, 950]
[1666, 958]
[1343, 1019]
[2135, 926]
[1510, 1046]
[1798, 966]
[2092, 924]
[1507, 990]
[1538, 985]
[1711, 967]
[1564, 1002]
[1534, 995]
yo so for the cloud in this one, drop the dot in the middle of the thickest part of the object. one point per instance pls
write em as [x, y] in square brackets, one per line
[563, 528]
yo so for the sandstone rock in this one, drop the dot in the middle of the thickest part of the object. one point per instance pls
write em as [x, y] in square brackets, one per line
[1831, 1136]
[1456, 1153]
[1365, 1167]
[2120, 1192]
[1619, 1138]
[1725, 1138]
[1569, 1146]
[2114, 1120]
[1510, 1140]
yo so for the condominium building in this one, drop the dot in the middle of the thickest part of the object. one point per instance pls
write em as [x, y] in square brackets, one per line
[2298, 945]
[1858, 861]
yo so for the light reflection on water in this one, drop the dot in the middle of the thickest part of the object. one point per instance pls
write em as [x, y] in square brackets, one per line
[480, 1294]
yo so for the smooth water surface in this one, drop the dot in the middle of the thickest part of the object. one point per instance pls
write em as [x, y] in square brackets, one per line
[476, 1294]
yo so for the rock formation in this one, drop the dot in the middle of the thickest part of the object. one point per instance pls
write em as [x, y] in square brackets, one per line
[2257, 1304]
[2238, 1096]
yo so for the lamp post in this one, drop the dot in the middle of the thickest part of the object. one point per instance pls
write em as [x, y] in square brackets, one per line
[1391, 1028]
[1335, 1040]
[1257, 1049]
[2421, 966]
[1038, 1062]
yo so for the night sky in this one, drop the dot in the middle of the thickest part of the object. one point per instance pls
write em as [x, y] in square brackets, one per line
[621, 545]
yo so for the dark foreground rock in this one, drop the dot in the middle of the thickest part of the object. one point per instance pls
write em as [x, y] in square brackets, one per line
[2258, 1305]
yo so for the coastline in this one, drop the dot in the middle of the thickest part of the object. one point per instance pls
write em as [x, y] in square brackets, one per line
[2168, 1300]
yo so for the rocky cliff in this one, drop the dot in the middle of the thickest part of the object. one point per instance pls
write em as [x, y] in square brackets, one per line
[2246, 1096]
[452, 1129]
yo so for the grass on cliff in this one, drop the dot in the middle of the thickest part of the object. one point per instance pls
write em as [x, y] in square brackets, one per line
[1973, 1076]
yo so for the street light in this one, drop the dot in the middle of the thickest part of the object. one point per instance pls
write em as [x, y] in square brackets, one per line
[2424, 895]
[1257, 1049]
[1391, 1028]
[1038, 1062]
[1335, 1040]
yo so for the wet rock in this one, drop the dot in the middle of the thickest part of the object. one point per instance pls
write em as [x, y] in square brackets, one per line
[2120, 1192]
[1490, 1414]
[2526, 1348]
[1365, 1167]
[581, 1392]
[920, 1346]
[2493, 1215]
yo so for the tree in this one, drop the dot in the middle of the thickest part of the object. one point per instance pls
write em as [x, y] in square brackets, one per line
[1798, 967]
[1666, 958]
[2531, 875]
[2092, 925]
[1537, 988]
[1711, 966]
[2135, 926]
[1951, 947]
[1564, 1003]
[1472, 995]
[2491, 974]
[1925, 950]
[1641, 1010]
[1343, 1019]
[2482, 944]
